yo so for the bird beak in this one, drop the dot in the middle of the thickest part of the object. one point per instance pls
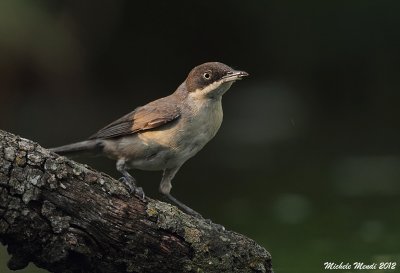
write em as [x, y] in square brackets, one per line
[234, 76]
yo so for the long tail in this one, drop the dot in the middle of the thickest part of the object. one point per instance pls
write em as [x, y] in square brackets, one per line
[88, 146]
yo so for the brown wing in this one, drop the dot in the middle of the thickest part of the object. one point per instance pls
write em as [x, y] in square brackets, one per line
[143, 118]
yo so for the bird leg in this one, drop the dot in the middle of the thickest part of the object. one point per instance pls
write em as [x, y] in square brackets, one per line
[128, 180]
[183, 207]
[165, 188]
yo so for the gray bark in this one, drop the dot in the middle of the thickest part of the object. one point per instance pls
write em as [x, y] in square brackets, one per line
[66, 217]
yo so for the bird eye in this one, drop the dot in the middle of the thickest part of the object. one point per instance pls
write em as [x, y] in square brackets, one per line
[207, 75]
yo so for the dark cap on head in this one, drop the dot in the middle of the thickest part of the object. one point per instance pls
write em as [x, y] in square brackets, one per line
[208, 73]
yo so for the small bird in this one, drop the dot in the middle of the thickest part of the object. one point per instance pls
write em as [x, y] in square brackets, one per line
[163, 134]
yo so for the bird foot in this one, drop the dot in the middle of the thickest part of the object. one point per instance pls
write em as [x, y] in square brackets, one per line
[217, 226]
[132, 188]
[183, 207]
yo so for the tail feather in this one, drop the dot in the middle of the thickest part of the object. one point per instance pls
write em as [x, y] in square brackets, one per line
[87, 146]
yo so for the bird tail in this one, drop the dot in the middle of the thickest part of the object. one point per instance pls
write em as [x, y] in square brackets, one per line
[88, 146]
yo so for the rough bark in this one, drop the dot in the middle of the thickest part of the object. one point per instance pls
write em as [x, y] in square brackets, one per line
[66, 217]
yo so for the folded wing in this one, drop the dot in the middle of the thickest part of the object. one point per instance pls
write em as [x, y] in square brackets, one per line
[150, 116]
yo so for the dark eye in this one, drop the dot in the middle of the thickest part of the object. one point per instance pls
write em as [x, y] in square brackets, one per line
[207, 75]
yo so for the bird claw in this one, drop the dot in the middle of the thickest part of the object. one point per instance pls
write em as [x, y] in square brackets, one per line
[132, 188]
[217, 226]
[128, 183]
[139, 192]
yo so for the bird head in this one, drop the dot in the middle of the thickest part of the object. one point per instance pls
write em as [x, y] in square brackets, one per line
[212, 79]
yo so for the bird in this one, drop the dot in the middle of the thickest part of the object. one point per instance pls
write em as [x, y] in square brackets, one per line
[163, 134]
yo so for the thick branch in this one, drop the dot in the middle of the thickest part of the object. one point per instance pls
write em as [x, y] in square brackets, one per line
[66, 217]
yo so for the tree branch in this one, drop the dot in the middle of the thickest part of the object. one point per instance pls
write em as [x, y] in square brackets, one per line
[67, 217]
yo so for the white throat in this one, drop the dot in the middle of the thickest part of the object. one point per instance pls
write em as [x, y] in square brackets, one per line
[213, 90]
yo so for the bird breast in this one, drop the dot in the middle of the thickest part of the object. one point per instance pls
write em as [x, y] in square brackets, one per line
[202, 123]
[171, 145]
[198, 124]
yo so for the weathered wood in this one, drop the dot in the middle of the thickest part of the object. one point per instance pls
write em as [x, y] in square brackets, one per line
[67, 217]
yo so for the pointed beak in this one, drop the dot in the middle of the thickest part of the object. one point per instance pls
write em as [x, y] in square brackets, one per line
[234, 75]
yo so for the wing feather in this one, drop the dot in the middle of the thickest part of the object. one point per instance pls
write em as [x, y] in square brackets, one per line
[150, 116]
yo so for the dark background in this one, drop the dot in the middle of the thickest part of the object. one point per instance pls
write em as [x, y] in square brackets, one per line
[307, 161]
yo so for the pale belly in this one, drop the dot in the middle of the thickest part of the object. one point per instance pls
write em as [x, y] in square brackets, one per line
[169, 146]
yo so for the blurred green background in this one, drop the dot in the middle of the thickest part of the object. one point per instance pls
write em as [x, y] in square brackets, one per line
[307, 161]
